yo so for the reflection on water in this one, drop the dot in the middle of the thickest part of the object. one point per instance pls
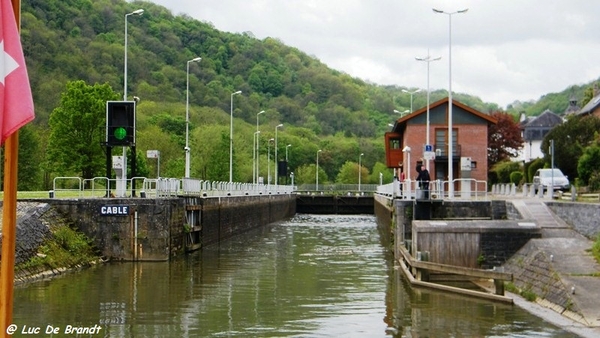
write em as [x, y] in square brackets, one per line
[313, 276]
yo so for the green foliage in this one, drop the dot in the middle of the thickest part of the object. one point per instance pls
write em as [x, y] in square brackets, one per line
[81, 42]
[570, 139]
[516, 177]
[66, 248]
[387, 174]
[533, 166]
[588, 166]
[596, 248]
[504, 169]
[77, 130]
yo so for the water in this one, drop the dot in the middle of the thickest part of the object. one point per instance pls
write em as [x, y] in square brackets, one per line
[313, 276]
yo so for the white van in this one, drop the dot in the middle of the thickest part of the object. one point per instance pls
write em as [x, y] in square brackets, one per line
[550, 177]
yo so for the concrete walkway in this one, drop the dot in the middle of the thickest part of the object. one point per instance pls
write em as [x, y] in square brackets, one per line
[566, 257]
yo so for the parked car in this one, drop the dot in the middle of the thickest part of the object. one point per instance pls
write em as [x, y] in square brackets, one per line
[550, 177]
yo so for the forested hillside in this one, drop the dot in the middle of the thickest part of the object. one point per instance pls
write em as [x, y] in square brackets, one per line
[320, 108]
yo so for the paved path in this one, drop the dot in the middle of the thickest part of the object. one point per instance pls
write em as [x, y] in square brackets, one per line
[571, 257]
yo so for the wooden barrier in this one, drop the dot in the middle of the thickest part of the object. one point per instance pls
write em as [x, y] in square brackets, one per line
[421, 271]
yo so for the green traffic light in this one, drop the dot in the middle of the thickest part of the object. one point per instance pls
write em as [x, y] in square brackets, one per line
[120, 133]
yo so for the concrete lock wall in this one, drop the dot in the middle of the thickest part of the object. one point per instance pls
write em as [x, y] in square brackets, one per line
[156, 229]
[133, 229]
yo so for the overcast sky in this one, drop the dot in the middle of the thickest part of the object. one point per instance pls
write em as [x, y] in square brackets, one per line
[502, 50]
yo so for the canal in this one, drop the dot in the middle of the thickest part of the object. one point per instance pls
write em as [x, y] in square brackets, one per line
[311, 276]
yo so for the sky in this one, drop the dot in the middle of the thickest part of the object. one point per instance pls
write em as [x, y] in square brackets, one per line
[501, 50]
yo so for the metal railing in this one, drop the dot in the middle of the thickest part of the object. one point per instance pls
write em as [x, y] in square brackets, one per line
[469, 189]
[75, 187]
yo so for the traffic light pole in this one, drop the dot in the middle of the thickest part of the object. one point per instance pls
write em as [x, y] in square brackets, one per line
[108, 168]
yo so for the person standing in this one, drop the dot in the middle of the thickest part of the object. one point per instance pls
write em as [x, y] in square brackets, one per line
[423, 178]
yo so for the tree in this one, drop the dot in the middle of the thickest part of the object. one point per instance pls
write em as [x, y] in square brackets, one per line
[588, 166]
[504, 138]
[78, 129]
[570, 139]
[217, 169]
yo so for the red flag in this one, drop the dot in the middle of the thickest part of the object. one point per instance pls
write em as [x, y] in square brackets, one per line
[16, 102]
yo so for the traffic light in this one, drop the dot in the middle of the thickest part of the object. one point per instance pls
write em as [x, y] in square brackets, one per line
[120, 123]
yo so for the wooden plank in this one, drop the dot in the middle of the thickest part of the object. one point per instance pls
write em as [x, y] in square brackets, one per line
[487, 274]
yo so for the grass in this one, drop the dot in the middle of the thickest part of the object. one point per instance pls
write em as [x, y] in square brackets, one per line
[596, 249]
[66, 248]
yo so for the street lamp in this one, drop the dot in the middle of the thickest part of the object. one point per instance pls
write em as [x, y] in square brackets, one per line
[187, 118]
[231, 138]
[269, 161]
[136, 12]
[255, 155]
[402, 113]
[411, 96]
[122, 183]
[427, 59]
[256, 147]
[276, 159]
[450, 138]
[286, 152]
[317, 185]
[359, 169]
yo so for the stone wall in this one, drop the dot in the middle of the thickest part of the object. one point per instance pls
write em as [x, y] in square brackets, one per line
[223, 218]
[157, 229]
[152, 230]
[583, 217]
[32, 229]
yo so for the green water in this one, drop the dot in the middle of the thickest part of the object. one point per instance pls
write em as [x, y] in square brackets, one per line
[313, 276]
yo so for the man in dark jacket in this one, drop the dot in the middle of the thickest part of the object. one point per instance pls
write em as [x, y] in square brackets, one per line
[423, 180]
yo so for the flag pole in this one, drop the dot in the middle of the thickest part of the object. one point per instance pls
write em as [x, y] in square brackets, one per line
[9, 216]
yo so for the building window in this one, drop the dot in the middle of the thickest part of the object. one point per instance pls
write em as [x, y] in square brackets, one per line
[394, 144]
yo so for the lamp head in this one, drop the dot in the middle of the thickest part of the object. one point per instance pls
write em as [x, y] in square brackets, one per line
[138, 12]
[196, 59]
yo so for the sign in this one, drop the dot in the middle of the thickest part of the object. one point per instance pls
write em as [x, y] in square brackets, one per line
[428, 147]
[118, 162]
[152, 153]
[114, 210]
[465, 163]
[429, 155]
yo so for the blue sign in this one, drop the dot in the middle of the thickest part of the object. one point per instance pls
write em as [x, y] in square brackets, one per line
[428, 147]
[114, 210]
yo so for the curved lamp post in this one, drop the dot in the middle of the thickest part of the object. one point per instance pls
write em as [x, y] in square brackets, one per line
[255, 155]
[450, 138]
[256, 167]
[402, 113]
[187, 117]
[269, 161]
[317, 185]
[411, 97]
[231, 138]
[427, 59]
[276, 159]
[359, 169]
[136, 12]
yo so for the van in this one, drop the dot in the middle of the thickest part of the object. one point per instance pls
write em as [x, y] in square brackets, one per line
[550, 177]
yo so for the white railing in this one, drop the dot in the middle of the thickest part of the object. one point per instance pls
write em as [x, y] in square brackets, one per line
[410, 189]
[159, 187]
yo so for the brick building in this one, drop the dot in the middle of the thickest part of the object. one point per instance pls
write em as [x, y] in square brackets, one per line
[469, 142]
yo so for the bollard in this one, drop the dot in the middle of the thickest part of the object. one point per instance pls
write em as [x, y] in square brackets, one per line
[51, 193]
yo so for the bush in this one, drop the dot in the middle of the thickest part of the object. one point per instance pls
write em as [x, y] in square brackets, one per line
[534, 165]
[516, 177]
[504, 169]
